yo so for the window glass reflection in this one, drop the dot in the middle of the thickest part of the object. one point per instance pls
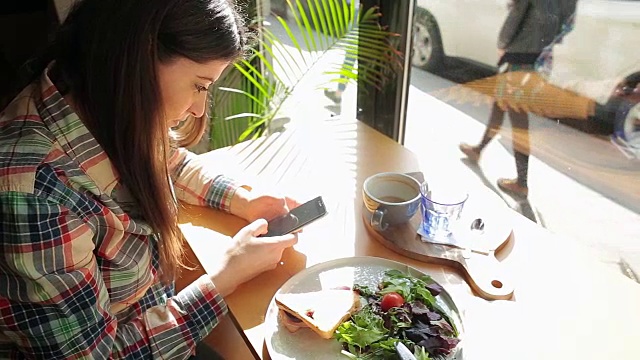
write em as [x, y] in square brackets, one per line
[540, 101]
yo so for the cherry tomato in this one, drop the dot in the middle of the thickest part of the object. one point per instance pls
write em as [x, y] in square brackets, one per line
[390, 300]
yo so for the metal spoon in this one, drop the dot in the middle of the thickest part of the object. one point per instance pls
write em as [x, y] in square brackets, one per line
[477, 225]
[477, 228]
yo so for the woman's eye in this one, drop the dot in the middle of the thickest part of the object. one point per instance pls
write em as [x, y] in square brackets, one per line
[200, 88]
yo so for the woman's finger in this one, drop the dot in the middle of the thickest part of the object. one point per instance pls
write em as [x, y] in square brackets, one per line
[291, 203]
[258, 227]
[283, 241]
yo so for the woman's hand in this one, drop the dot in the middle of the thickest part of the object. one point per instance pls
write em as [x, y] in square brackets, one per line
[252, 206]
[250, 256]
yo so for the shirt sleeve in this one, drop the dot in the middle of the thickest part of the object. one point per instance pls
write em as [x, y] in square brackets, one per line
[54, 303]
[512, 23]
[195, 184]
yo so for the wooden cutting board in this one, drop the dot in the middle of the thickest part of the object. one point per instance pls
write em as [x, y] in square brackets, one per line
[478, 264]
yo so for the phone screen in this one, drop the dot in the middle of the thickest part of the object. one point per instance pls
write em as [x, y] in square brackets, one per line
[297, 218]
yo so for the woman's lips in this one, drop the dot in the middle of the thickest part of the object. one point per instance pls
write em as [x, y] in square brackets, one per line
[174, 123]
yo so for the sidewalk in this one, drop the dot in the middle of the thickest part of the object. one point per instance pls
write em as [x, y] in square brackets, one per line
[556, 201]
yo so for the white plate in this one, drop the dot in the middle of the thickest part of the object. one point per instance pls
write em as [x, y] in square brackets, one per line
[305, 344]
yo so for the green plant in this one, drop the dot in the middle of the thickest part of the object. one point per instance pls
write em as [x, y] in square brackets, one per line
[248, 97]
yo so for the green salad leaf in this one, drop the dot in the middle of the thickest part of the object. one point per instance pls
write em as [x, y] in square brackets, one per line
[418, 322]
[362, 330]
[363, 290]
[421, 354]
[412, 288]
[409, 287]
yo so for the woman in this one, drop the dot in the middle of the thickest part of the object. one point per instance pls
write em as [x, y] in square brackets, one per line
[89, 176]
[530, 26]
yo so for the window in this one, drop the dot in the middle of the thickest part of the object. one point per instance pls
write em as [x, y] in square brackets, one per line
[572, 142]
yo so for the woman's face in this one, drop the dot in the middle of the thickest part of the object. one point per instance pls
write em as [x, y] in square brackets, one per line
[183, 87]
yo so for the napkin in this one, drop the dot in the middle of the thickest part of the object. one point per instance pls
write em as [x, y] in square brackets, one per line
[460, 239]
[450, 240]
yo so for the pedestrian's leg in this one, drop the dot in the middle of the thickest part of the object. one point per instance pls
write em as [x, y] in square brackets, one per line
[522, 167]
[336, 96]
[521, 146]
[493, 127]
[520, 141]
[347, 64]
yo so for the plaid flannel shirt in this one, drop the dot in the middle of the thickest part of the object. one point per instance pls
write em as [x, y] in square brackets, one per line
[78, 268]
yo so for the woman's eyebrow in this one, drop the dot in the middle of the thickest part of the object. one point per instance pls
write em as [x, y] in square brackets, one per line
[206, 78]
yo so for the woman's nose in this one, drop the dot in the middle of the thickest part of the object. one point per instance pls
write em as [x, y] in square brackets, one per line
[198, 106]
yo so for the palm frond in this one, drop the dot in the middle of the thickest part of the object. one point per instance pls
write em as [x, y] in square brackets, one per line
[249, 96]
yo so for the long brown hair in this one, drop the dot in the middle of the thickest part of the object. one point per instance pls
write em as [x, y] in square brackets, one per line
[107, 51]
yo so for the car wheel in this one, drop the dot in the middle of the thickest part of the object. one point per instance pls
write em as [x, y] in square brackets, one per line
[427, 52]
[624, 109]
[627, 124]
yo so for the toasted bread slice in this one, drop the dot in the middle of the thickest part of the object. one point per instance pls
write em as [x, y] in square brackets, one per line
[322, 311]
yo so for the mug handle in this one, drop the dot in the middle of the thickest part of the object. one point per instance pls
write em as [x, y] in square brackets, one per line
[376, 220]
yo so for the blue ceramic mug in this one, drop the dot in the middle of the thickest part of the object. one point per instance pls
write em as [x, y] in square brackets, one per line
[390, 198]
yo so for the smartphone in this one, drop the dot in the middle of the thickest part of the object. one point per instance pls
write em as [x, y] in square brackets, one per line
[297, 218]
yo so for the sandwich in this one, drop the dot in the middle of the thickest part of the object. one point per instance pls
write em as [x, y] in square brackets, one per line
[321, 311]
